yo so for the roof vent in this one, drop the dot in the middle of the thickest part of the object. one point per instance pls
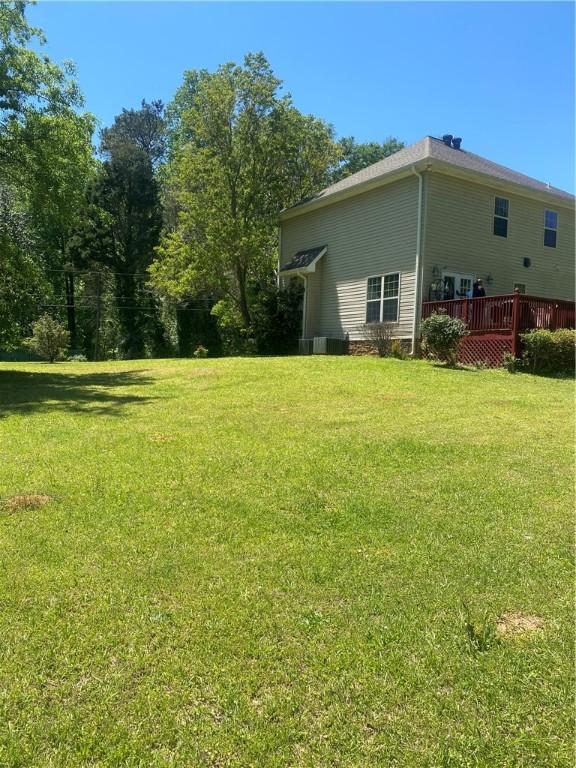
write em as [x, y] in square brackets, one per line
[447, 139]
[456, 143]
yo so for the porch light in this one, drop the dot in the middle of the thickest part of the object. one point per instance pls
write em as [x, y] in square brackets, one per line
[435, 272]
[489, 279]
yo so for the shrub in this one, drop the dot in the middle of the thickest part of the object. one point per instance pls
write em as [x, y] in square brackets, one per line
[441, 335]
[379, 335]
[77, 359]
[49, 338]
[397, 350]
[200, 352]
[510, 363]
[549, 351]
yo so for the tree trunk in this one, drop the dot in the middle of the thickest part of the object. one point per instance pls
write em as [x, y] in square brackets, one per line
[242, 297]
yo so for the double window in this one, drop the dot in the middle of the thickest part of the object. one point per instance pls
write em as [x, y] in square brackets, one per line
[550, 228]
[501, 205]
[383, 298]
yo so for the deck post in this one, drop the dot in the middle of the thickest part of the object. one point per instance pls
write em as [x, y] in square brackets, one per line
[515, 322]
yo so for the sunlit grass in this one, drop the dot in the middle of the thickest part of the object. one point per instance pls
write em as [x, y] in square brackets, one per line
[284, 562]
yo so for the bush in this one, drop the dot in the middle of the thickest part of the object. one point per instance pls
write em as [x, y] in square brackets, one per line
[510, 363]
[201, 352]
[49, 338]
[397, 350]
[441, 335]
[77, 359]
[379, 335]
[549, 351]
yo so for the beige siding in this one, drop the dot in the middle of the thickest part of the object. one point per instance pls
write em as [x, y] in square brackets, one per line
[459, 238]
[367, 235]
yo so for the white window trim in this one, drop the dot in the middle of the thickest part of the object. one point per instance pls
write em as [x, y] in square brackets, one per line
[382, 299]
[497, 216]
[552, 229]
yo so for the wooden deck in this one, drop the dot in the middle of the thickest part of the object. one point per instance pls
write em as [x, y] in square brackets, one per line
[496, 322]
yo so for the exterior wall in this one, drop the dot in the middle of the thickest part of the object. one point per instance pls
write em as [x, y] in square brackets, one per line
[367, 235]
[459, 238]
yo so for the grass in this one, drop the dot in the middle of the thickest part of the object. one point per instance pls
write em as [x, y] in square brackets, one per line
[284, 562]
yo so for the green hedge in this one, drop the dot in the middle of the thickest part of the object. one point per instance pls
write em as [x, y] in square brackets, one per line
[549, 351]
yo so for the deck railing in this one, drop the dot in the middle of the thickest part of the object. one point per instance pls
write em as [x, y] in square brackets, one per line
[512, 313]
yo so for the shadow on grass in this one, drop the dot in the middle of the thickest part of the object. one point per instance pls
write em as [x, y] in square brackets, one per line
[25, 392]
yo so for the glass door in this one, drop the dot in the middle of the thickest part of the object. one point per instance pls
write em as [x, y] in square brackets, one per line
[456, 285]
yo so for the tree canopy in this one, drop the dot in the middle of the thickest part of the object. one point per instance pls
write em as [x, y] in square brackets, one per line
[242, 152]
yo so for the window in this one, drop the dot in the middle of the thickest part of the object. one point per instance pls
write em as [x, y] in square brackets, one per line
[501, 216]
[550, 228]
[521, 287]
[382, 298]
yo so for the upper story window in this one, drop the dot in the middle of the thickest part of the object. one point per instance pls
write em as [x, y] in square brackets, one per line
[550, 228]
[382, 298]
[501, 216]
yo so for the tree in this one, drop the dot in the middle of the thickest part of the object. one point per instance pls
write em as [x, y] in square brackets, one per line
[144, 128]
[22, 285]
[354, 157]
[45, 159]
[241, 152]
[57, 163]
[122, 222]
[29, 82]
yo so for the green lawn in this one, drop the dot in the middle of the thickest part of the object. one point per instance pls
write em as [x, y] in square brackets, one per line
[263, 562]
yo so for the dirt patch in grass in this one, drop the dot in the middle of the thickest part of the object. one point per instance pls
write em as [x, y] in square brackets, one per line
[517, 624]
[26, 501]
[159, 438]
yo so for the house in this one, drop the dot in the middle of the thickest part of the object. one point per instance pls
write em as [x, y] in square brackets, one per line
[422, 225]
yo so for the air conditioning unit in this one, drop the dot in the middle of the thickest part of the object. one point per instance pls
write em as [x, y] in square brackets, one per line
[323, 345]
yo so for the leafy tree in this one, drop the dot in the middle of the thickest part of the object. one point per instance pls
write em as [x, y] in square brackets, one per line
[29, 81]
[121, 227]
[49, 338]
[45, 158]
[57, 164]
[241, 152]
[22, 285]
[354, 157]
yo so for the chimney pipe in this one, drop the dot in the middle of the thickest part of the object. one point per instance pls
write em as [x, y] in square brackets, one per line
[456, 143]
[447, 138]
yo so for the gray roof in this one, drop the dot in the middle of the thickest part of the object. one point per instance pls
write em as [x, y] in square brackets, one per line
[431, 149]
[304, 259]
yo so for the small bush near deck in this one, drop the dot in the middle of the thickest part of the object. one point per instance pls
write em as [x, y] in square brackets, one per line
[510, 363]
[397, 350]
[49, 338]
[441, 335]
[379, 335]
[549, 351]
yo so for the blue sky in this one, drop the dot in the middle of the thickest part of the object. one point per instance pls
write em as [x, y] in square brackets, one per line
[501, 75]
